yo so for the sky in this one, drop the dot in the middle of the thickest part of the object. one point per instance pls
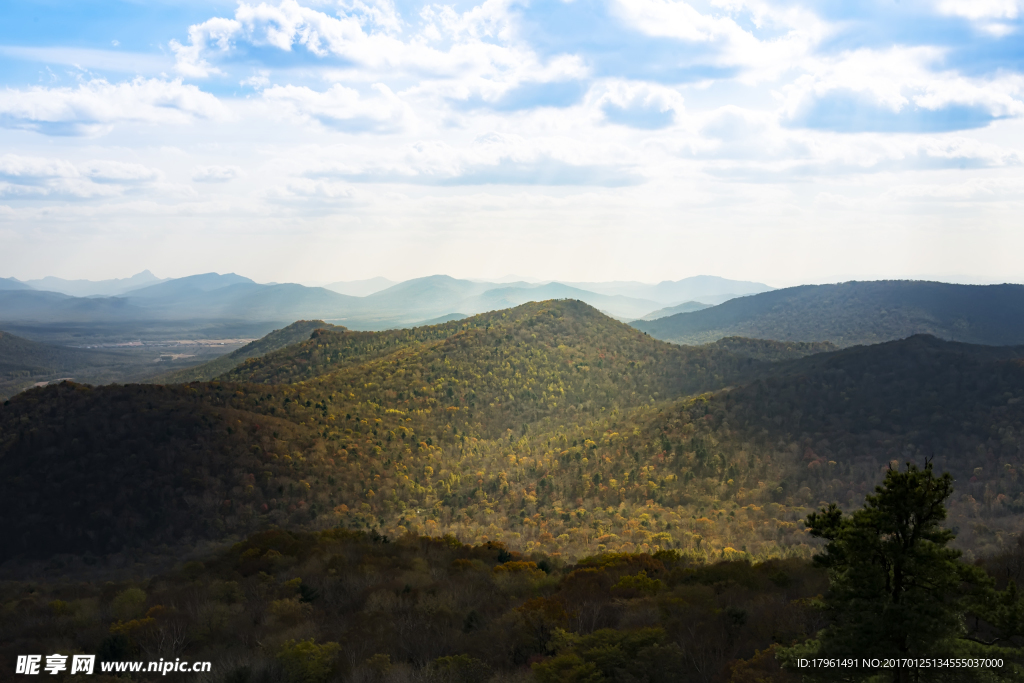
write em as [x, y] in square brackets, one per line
[314, 141]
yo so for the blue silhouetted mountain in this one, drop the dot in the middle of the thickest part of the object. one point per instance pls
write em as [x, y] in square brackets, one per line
[431, 296]
[30, 305]
[209, 296]
[857, 313]
[9, 283]
[239, 298]
[510, 296]
[708, 289]
[190, 286]
[95, 287]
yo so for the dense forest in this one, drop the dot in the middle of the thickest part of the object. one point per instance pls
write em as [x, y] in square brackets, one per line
[342, 605]
[302, 607]
[536, 494]
[549, 427]
[857, 313]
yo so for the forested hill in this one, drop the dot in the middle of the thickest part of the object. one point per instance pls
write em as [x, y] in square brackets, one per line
[297, 332]
[24, 357]
[23, 361]
[526, 361]
[384, 404]
[550, 427]
[857, 313]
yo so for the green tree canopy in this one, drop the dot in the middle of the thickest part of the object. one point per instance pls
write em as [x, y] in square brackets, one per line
[898, 591]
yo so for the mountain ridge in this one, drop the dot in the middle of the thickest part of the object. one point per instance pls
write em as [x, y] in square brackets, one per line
[112, 287]
[236, 298]
[857, 313]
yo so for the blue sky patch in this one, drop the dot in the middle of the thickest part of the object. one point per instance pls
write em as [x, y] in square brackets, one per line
[646, 118]
[849, 112]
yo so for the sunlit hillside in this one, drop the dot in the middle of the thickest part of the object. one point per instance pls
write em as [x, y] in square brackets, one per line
[549, 427]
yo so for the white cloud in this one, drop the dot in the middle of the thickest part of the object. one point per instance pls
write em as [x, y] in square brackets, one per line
[215, 174]
[673, 19]
[119, 172]
[258, 80]
[379, 14]
[738, 133]
[34, 168]
[491, 159]
[982, 9]
[95, 106]
[902, 77]
[216, 33]
[305, 189]
[989, 16]
[726, 43]
[342, 108]
[677, 124]
[38, 177]
[284, 26]
[454, 55]
[633, 103]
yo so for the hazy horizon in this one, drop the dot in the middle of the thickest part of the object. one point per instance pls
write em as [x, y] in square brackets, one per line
[512, 278]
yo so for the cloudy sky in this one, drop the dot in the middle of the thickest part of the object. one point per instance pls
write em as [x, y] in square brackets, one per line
[313, 141]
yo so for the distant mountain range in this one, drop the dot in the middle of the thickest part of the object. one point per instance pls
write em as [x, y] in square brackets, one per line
[95, 288]
[683, 312]
[369, 304]
[857, 313]
[9, 283]
[439, 295]
[707, 289]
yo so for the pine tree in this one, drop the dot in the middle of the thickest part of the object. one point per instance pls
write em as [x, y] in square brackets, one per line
[897, 591]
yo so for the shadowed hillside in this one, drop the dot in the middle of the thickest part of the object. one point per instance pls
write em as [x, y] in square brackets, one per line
[857, 313]
[24, 362]
[339, 605]
[550, 427]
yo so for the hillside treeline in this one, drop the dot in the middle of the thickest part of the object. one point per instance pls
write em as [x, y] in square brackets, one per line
[550, 428]
[852, 313]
